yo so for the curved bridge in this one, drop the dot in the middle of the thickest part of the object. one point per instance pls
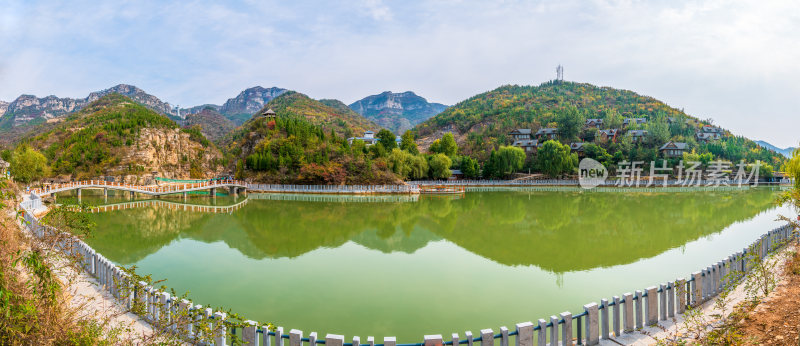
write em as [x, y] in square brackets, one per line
[233, 185]
[214, 209]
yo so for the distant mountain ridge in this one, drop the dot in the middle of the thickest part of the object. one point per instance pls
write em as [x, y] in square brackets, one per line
[29, 108]
[240, 108]
[21, 115]
[397, 112]
[785, 152]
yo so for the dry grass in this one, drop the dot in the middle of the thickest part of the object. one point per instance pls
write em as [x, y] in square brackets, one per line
[34, 306]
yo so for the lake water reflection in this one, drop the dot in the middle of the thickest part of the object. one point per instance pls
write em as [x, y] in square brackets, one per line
[407, 266]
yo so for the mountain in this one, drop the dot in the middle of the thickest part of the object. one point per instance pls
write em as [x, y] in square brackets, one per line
[115, 136]
[785, 152]
[3, 107]
[212, 124]
[482, 123]
[397, 112]
[330, 115]
[240, 108]
[28, 110]
[248, 102]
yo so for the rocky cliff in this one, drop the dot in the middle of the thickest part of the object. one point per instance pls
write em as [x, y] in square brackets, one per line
[397, 111]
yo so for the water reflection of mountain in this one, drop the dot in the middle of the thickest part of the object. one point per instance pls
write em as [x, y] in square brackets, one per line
[555, 231]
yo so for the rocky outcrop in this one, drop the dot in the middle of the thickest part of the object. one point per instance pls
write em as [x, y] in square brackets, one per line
[250, 100]
[397, 111]
[171, 153]
[3, 107]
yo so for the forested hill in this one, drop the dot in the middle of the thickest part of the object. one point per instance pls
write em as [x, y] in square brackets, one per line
[290, 149]
[482, 122]
[115, 136]
[327, 115]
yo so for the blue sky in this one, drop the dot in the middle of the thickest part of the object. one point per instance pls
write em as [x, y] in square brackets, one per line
[733, 61]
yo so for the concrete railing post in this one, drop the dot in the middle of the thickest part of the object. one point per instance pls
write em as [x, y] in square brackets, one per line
[592, 324]
[553, 330]
[433, 340]
[615, 316]
[250, 333]
[542, 337]
[333, 340]
[279, 337]
[503, 336]
[524, 334]
[312, 339]
[651, 307]
[662, 300]
[296, 337]
[697, 289]
[566, 328]
[681, 292]
[220, 330]
[487, 337]
[639, 310]
[604, 320]
[627, 315]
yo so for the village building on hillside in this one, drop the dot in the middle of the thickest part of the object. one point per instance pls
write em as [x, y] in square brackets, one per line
[708, 132]
[672, 149]
[578, 148]
[596, 123]
[528, 145]
[368, 138]
[609, 134]
[631, 121]
[269, 114]
[520, 134]
[638, 136]
[546, 133]
[704, 137]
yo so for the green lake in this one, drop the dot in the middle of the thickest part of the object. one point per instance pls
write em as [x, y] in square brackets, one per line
[408, 266]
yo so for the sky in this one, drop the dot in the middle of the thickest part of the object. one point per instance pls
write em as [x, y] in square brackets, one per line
[735, 62]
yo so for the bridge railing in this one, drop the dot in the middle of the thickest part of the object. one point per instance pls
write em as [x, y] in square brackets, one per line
[171, 188]
[333, 189]
[604, 321]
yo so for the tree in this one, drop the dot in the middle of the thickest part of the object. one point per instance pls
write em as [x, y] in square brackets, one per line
[27, 164]
[418, 167]
[469, 167]
[612, 119]
[387, 139]
[439, 165]
[377, 150]
[400, 162]
[598, 153]
[448, 145]
[407, 143]
[569, 123]
[554, 159]
[508, 160]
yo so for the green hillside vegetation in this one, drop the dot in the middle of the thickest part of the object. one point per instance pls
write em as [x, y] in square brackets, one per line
[482, 123]
[329, 115]
[290, 149]
[94, 141]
